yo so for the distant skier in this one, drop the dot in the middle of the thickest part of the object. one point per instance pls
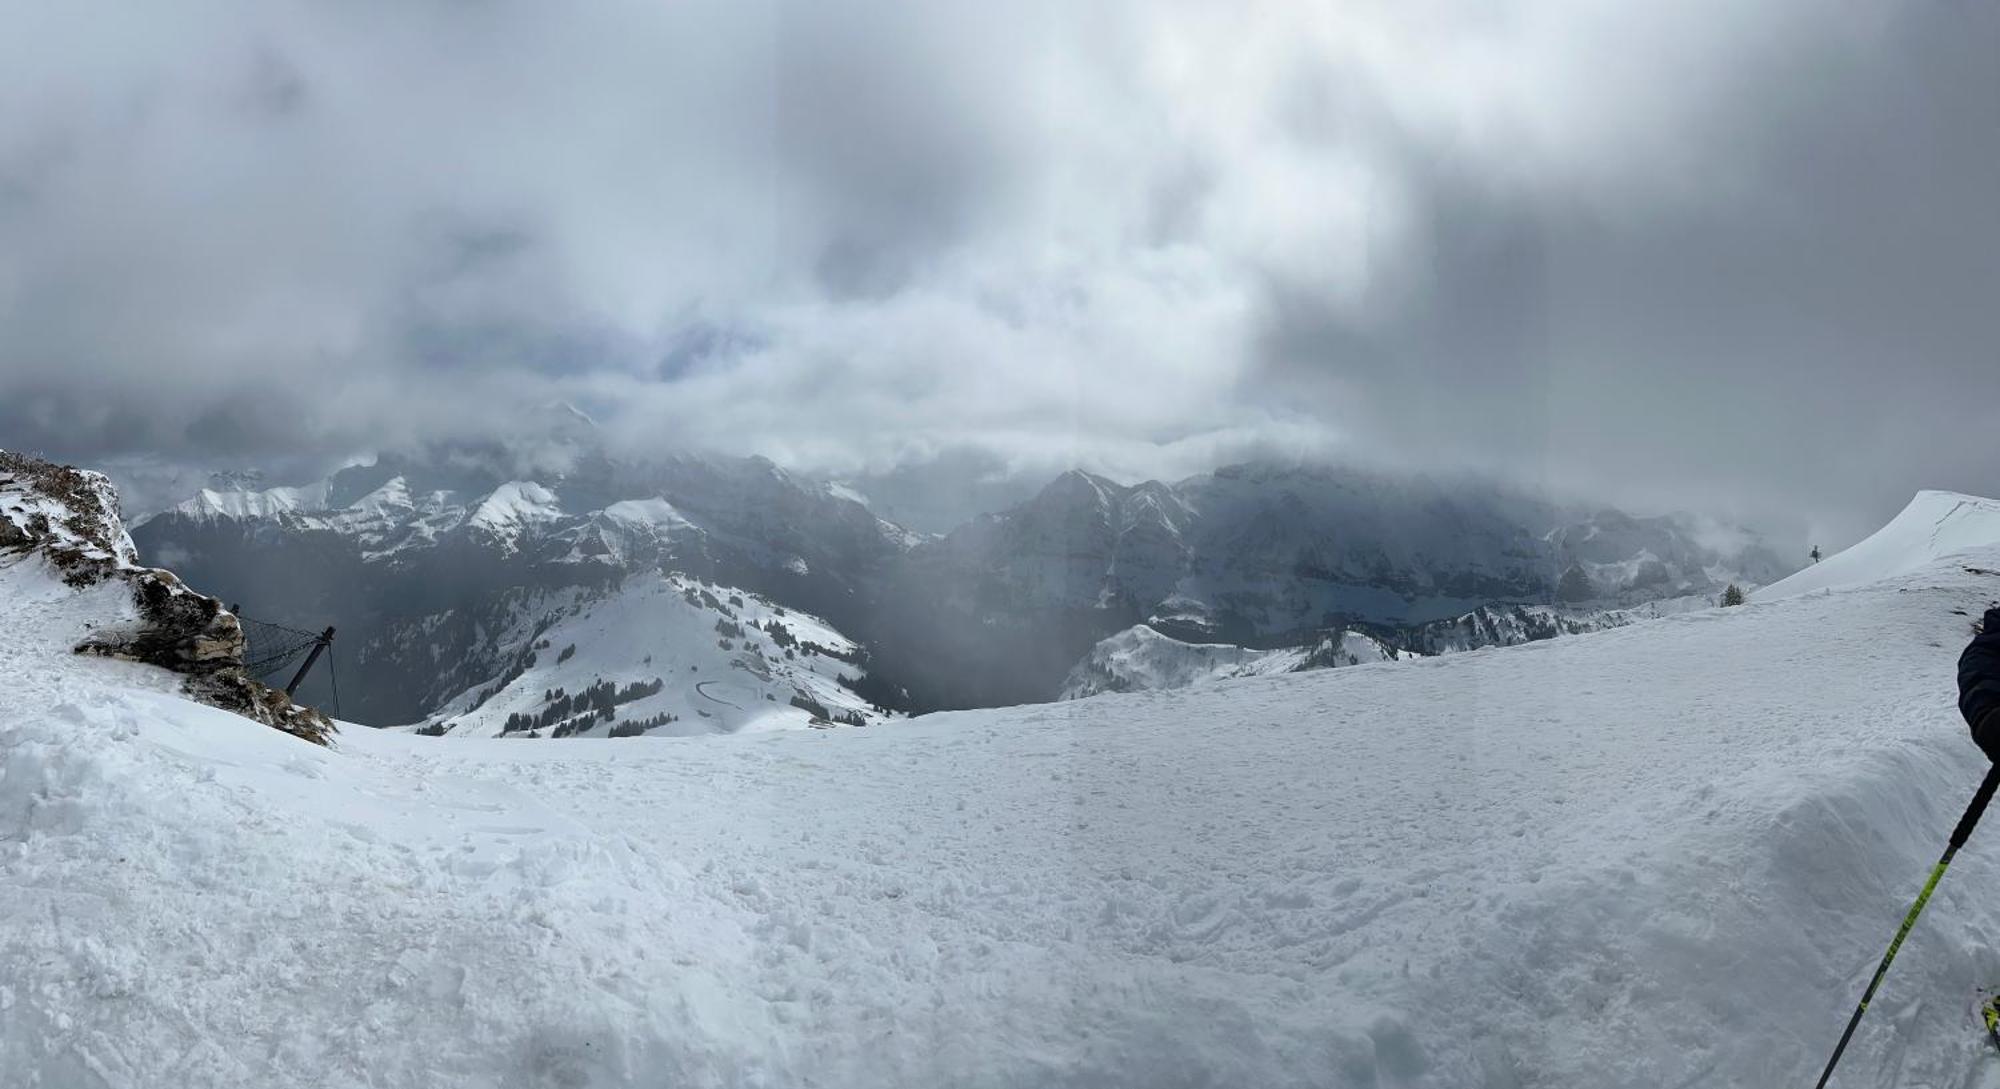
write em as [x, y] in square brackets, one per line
[1815, 554]
[1979, 685]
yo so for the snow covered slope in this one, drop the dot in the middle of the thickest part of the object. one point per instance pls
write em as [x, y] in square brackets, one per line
[1663, 855]
[1934, 525]
[1142, 659]
[664, 654]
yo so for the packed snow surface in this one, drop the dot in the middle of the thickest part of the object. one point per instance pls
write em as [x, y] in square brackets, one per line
[1933, 526]
[1663, 855]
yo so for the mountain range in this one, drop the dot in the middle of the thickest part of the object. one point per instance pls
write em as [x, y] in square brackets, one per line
[1511, 868]
[425, 563]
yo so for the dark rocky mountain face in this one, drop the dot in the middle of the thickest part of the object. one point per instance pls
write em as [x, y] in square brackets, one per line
[1260, 556]
[420, 562]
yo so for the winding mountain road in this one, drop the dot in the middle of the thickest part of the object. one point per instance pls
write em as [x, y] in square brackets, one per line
[700, 691]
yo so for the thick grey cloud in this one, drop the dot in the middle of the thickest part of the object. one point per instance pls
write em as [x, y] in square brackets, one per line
[1717, 255]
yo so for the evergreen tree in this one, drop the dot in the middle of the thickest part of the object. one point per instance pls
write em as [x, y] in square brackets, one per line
[1733, 595]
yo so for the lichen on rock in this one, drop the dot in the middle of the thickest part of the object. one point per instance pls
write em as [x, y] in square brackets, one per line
[71, 517]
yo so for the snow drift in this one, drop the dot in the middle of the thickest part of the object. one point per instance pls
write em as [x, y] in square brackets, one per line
[1667, 854]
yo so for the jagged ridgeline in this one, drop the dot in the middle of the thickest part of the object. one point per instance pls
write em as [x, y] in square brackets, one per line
[427, 565]
[68, 519]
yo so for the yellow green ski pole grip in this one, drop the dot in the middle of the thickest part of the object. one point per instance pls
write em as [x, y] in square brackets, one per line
[1958, 837]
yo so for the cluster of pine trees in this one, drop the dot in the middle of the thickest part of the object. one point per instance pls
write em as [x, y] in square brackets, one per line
[590, 706]
[635, 727]
[820, 711]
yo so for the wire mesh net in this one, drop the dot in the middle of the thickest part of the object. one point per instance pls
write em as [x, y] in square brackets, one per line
[269, 648]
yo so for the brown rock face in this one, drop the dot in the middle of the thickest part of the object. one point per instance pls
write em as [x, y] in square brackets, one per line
[71, 517]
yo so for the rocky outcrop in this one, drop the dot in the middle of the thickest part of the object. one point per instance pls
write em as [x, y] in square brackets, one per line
[71, 517]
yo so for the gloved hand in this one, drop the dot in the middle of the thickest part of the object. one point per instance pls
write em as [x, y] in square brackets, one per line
[1979, 685]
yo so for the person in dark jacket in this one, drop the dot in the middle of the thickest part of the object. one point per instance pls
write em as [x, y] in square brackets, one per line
[1979, 685]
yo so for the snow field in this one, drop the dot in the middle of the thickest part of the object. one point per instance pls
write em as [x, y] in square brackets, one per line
[1663, 855]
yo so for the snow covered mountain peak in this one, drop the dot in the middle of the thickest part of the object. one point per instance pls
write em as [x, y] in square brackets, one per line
[1078, 486]
[660, 654]
[515, 508]
[261, 503]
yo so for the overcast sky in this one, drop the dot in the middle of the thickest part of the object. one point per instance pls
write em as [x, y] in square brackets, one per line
[1737, 257]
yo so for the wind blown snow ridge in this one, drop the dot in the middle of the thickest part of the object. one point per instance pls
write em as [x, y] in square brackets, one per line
[1935, 524]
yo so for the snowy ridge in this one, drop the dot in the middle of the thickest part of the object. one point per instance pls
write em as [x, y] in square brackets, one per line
[676, 656]
[1140, 658]
[1512, 625]
[1936, 524]
[514, 508]
[262, 503]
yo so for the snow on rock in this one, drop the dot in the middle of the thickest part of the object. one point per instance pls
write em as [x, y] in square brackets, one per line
[1667, 854]
[1935, 524]
[1142, 659]
[665, 654]
[60, 530]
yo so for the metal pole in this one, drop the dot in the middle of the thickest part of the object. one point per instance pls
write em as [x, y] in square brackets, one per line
[324, 641]
[1958, 837]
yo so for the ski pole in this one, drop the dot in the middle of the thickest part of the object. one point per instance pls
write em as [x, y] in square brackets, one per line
[1958, 837]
